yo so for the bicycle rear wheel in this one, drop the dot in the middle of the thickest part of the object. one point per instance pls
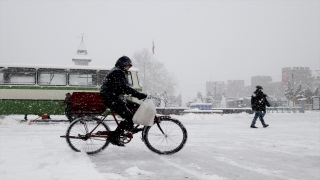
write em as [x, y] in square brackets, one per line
[171, 141]
[79, 128]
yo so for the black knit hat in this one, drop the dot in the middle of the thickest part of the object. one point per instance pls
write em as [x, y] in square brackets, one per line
[123, 61]
[259, 87]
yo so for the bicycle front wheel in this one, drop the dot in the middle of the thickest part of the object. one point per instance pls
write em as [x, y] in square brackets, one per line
[171, 140]
[79, 129]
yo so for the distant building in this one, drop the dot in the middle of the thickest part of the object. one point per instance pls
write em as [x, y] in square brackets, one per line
[272, 89]
[297, 76]
[276, 90]
[215, 87]
[247, 91]
[234, 88]
[263, 81]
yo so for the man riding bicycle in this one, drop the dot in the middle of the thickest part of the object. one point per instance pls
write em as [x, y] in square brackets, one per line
[114, 86]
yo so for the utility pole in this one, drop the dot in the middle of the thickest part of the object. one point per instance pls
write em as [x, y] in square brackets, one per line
[292, 86]
[215, 88]
[292, 83]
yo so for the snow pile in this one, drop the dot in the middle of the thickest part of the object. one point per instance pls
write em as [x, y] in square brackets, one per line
[36, 152]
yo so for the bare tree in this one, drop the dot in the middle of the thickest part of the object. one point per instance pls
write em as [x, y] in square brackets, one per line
[153, 75]
[200, 96]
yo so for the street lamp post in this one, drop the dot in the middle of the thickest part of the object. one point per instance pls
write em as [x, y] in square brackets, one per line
[215, 89]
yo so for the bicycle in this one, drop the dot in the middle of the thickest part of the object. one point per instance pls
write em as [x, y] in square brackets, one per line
[166, 136]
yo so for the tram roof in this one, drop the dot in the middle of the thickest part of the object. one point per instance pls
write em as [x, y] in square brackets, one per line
[6, 65]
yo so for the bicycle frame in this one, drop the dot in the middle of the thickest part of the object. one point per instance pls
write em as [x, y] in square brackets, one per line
[100, 121]
[135, 130]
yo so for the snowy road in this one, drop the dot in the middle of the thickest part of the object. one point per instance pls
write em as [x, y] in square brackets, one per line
[218, 147]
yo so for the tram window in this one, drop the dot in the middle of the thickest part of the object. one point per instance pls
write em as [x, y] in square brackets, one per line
[129, 77]
[52, 77]
[1, 75]
[102, 74]
[82, 77]
[17, 75]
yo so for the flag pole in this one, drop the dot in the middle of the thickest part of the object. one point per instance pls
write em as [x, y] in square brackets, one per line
[153, 47]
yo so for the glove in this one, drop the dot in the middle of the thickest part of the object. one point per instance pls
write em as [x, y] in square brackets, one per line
[142, 96]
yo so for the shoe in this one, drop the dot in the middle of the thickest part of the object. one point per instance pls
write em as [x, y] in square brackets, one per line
[114, 138]
[253, 126]
[266, 125]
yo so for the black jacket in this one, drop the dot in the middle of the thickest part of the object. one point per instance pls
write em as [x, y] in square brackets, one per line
[115, 85]
[67, 101]
[259, 101]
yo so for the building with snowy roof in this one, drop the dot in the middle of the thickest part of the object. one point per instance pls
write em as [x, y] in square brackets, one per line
[81, 57]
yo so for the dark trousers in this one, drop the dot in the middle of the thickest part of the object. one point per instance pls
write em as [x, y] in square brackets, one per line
[122, 107]
[68, 114]
[259, 114]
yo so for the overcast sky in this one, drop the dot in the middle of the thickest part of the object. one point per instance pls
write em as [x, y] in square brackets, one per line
[198, 41]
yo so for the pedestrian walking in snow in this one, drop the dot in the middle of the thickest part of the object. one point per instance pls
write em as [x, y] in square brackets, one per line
[258, 103]
[114, 86]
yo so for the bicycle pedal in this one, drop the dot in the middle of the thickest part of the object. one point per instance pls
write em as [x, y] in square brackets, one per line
[129, 135]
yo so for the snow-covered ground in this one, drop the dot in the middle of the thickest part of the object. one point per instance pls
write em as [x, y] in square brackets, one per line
[218, 147]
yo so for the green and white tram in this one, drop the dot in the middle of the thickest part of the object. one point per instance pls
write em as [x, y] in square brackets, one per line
[35, 89]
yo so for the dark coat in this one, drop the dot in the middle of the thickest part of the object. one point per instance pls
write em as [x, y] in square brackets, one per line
[115, 85]
[68, 102]
[259, 101]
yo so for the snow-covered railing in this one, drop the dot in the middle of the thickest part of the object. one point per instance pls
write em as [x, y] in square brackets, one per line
[184, 110]
[170, 110]
[284, 109]
[198, 111]
[235, 110]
